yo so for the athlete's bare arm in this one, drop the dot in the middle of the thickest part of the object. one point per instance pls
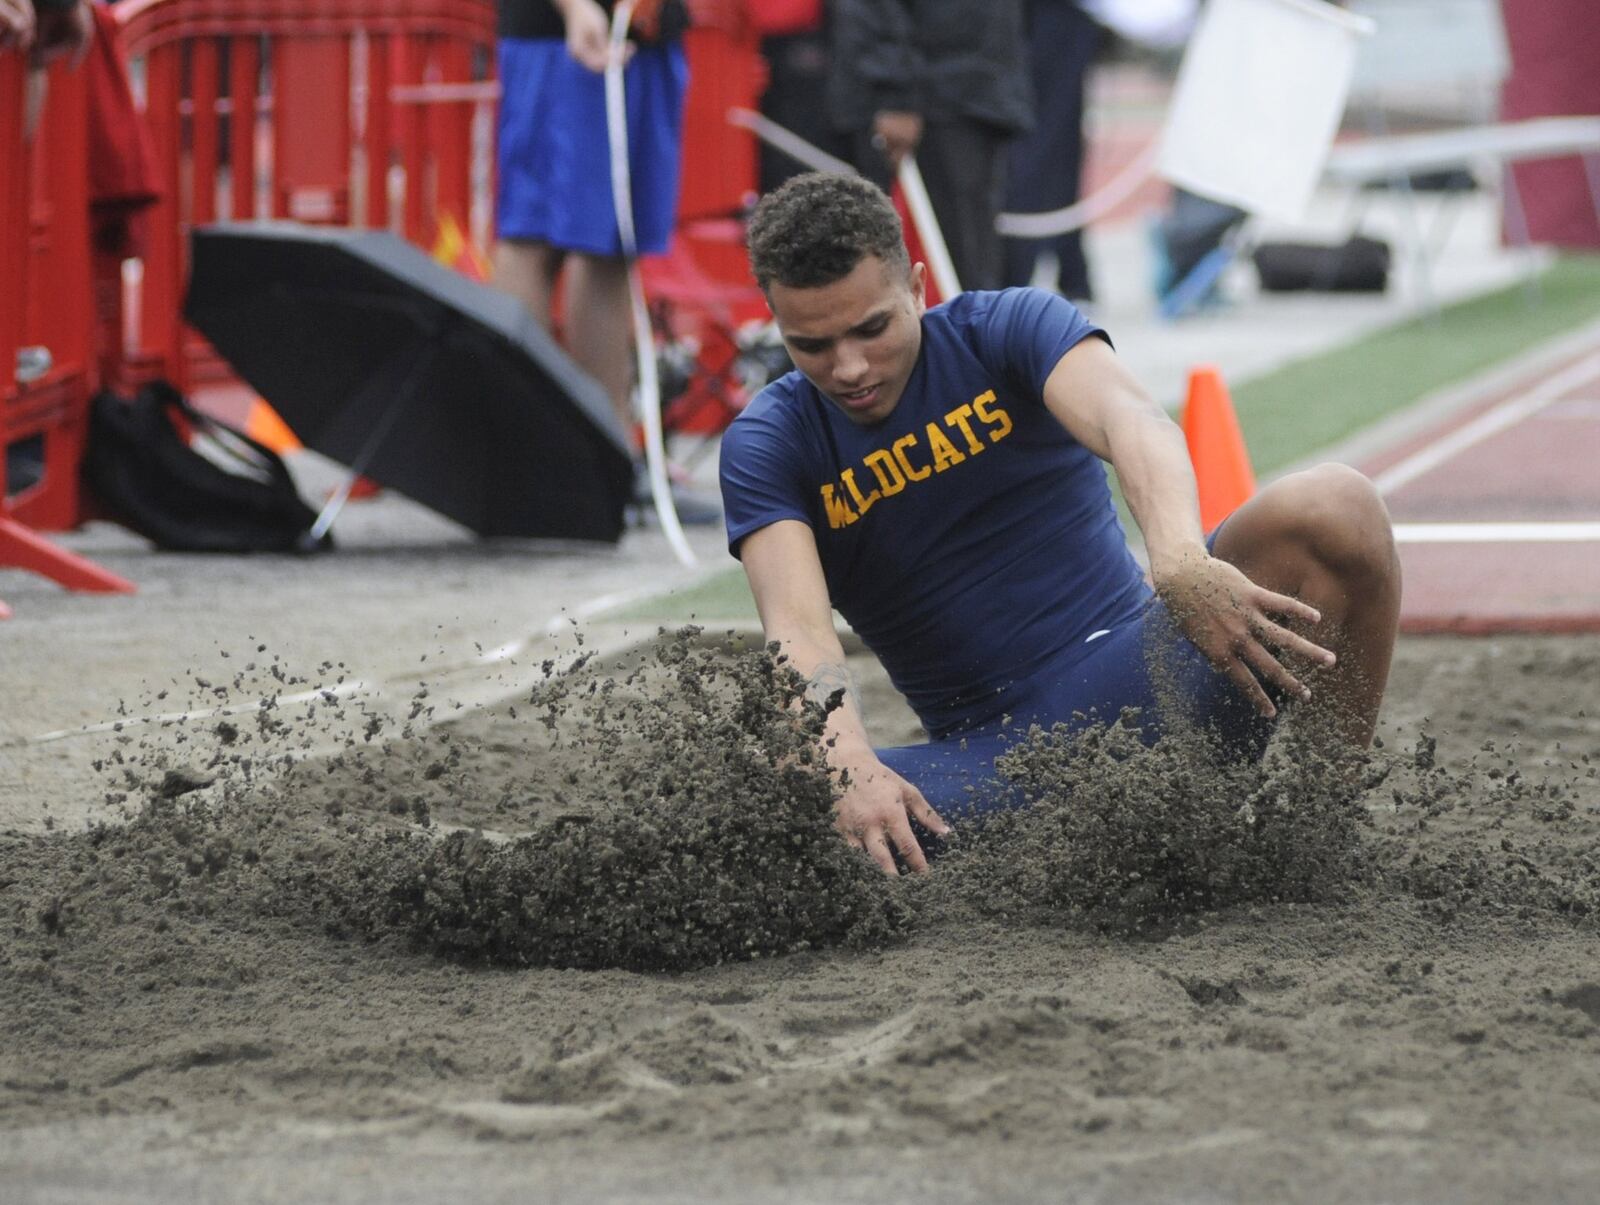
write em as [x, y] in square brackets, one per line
[791, 595]
[1231, 620]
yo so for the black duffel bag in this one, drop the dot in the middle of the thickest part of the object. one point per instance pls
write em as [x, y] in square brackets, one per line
[1359, 265]
[222, 492]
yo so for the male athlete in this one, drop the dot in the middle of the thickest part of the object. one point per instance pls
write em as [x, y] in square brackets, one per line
[936, 477]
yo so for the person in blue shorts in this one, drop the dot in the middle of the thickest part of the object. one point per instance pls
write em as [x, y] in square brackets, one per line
[937, 478]
[553, 208]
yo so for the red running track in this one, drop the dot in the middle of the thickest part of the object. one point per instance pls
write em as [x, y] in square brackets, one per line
[1497, 509]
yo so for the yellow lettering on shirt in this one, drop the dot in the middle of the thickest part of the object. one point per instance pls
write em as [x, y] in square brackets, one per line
[993, 414]
[839, 512]
[862, 504]
[911, 471]
[886, 471]
[900, 464]
[959, 417]
[945, 455]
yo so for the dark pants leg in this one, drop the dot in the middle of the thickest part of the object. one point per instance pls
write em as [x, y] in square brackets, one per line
[1146, 664]
[798, 72]
[964, 169]
[1044, 167]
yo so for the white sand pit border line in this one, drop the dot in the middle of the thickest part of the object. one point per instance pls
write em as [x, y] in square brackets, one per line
[342, 690]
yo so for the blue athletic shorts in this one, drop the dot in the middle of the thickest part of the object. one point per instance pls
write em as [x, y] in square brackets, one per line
[1145, 663]
[554, 165]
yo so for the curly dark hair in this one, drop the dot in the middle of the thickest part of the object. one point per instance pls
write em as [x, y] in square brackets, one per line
[815, 228]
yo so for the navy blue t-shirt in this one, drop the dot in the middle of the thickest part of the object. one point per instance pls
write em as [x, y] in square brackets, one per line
[967, 538]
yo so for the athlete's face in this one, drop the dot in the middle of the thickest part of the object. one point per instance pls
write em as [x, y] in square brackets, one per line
[856, 339]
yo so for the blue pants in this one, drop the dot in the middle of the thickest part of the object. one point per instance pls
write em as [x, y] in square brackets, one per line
[553, 159]
[1145, 663]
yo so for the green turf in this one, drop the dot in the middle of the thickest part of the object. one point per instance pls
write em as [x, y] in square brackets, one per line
[1289, 414]
[722, 597]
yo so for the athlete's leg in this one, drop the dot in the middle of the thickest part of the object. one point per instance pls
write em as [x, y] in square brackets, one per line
[1144, 664]
[957, 776]
[1323, 536]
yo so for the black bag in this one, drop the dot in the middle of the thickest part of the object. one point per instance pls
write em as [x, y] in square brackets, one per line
[1359, 265]
[236, 496]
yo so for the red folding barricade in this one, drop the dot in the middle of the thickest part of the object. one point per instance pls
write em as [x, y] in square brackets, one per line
[371, 113]
[339, 112]
[47, 370]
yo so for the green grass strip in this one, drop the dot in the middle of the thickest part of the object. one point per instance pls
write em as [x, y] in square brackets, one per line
[1314, 403]
[724, 597]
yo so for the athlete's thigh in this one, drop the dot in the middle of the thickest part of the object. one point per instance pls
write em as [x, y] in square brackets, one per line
[1146, 671]
[956, 776]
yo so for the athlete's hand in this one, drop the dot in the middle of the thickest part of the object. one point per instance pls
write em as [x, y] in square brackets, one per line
[875, 815]
[588, 33]
[1230, 619]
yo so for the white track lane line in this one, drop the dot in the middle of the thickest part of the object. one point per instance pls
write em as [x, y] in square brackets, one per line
[557, 625]
[1495, 533]
[1491, 422]
[563, 621]
[342, 691]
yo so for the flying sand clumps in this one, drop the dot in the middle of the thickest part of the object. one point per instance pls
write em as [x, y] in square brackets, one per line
[1130, 837]
[677, 814]
[708, 835]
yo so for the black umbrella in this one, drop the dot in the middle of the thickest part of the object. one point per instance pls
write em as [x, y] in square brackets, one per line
[413, 375]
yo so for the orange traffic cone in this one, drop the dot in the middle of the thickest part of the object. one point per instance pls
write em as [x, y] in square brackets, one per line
[265, 427]
[1216, 447]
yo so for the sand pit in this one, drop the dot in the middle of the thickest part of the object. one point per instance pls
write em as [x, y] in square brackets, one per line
[330, 953]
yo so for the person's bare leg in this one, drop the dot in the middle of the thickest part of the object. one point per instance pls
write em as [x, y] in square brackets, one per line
[1324, 537]
[598, 327]
[527, 271]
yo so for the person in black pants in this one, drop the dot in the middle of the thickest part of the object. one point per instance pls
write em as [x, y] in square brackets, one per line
[947, 79]
[1044, 168]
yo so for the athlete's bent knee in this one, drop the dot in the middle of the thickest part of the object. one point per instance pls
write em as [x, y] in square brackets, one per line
[1343, 522]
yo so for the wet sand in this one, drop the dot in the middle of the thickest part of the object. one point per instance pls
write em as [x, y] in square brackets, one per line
[222, 998]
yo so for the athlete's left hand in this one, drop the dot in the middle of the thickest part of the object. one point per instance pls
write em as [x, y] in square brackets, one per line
[1230, 619]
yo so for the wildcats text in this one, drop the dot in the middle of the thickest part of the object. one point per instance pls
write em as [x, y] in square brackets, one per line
[967, 431]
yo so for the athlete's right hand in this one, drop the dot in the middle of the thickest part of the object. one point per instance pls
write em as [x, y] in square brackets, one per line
[874, 814]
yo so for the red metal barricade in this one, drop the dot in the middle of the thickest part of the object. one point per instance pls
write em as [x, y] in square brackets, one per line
[374, 113]
[47, 370]
[324, 111]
